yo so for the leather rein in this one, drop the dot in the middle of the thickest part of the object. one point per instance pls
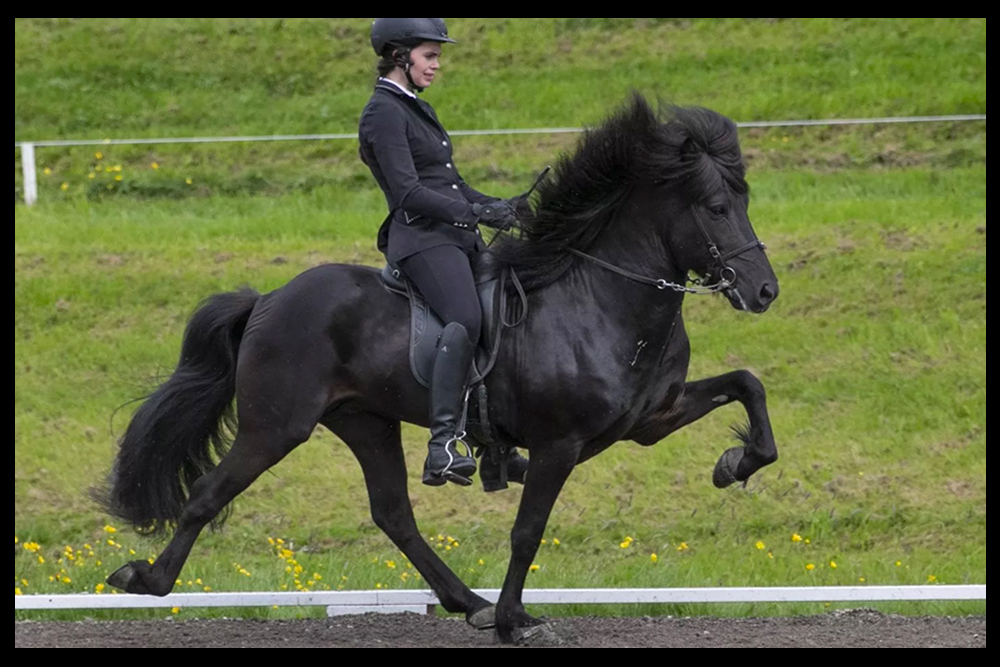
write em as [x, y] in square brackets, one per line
[727, 274]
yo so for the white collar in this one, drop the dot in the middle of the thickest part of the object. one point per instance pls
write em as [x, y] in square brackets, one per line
[406, 91]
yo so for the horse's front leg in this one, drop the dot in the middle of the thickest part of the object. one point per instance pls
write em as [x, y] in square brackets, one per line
[550, 467]
[701, 397]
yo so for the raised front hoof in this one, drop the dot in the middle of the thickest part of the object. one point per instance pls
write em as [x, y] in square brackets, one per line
[123, 578]
[137, 577]
[484, 619]
[536, 635]
[725, 470]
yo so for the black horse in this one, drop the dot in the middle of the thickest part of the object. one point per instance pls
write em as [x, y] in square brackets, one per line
[602, 356]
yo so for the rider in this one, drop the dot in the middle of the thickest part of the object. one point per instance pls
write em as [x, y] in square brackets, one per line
[431, 231]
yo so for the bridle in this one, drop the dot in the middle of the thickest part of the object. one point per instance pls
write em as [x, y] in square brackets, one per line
[727, 274]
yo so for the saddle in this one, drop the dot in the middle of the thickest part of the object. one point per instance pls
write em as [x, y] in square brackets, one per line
[425, 336]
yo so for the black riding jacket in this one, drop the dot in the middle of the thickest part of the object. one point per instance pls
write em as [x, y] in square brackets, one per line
[410, 155]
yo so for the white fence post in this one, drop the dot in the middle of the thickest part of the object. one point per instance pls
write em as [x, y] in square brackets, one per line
[30, 174]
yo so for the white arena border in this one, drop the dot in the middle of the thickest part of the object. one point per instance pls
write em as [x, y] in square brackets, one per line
[424, 601]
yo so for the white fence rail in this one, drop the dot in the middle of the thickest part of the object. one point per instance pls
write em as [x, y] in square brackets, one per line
[28, 167]
[421, 601]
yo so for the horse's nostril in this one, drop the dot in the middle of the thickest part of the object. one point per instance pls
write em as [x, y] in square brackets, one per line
[767, 294]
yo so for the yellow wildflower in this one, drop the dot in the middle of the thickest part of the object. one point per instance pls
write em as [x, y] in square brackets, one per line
[899, 563]
[759, 545]
[482, 562]
[99, 588]
[810, 567]
[555, 541]
[99, 155]
[931, 578]
[796, 537]
[118, 177]
[683, 546]
[188, 181]
[41, 559]
[156, 165]
[861, 579]
[64, 186]
[117, 167]
[175, 610]
[17, 591]
[534, 567]
[833, 565]
[653, 558]
[110, 529]
[391, 564]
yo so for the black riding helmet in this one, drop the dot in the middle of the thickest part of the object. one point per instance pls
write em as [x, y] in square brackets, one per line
[407, 33]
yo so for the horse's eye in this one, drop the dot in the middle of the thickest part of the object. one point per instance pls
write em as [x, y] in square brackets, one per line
[718, 210]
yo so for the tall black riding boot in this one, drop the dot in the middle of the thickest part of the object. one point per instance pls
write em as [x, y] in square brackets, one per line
[448, 384]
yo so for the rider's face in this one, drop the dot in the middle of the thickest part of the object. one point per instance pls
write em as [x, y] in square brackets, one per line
[426, 60]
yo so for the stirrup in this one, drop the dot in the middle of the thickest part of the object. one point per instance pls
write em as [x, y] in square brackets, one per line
[447, 474]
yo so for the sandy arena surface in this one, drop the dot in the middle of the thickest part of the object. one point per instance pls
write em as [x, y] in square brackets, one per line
[859, 628]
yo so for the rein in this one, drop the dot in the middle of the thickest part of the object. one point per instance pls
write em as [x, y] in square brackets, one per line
[727, 274]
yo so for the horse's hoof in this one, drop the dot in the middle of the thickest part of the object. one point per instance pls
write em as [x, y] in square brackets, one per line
[725, 470]
[536, 635]
[484, 619]
[123, 577]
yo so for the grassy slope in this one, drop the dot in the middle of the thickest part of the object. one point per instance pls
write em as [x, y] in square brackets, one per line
[874, 356]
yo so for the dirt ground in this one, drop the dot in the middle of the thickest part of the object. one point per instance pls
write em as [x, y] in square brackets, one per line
[860, 628]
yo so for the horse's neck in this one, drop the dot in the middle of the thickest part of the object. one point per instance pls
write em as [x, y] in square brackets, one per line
[618, 301]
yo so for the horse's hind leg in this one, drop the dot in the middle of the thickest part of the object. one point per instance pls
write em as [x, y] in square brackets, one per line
[703, 396]
[376, 443]
[252, 453]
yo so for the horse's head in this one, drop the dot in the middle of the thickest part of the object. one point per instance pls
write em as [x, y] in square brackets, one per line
[701, 174]
[650, 196]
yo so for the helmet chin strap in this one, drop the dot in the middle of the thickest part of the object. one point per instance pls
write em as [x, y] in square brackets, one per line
[402, 59]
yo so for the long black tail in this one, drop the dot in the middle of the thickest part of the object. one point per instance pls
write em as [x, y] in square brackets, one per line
[184, 427]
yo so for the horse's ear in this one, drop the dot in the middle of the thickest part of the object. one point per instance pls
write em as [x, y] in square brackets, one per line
[689, 147]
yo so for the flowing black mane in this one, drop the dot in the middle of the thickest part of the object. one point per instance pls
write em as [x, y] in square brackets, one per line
[691, 148]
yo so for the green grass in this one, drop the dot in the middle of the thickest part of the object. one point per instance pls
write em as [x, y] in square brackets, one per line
[874, 355]
[127, 78]
[874, 359]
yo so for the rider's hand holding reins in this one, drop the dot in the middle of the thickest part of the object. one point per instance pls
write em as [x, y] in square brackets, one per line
[499, 215]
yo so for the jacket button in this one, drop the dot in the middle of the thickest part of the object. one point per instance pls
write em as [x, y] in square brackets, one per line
[444, 143]
[454, 186]
[448, 164]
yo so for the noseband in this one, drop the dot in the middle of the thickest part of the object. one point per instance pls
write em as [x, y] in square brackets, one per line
[727, 274]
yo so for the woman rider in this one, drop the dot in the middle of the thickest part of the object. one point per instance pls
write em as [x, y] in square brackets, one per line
[431, 230]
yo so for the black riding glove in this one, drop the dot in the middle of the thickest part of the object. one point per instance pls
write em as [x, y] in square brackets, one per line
[498, 215]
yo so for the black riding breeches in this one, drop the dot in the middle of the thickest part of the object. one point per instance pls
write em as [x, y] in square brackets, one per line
[443, 275]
